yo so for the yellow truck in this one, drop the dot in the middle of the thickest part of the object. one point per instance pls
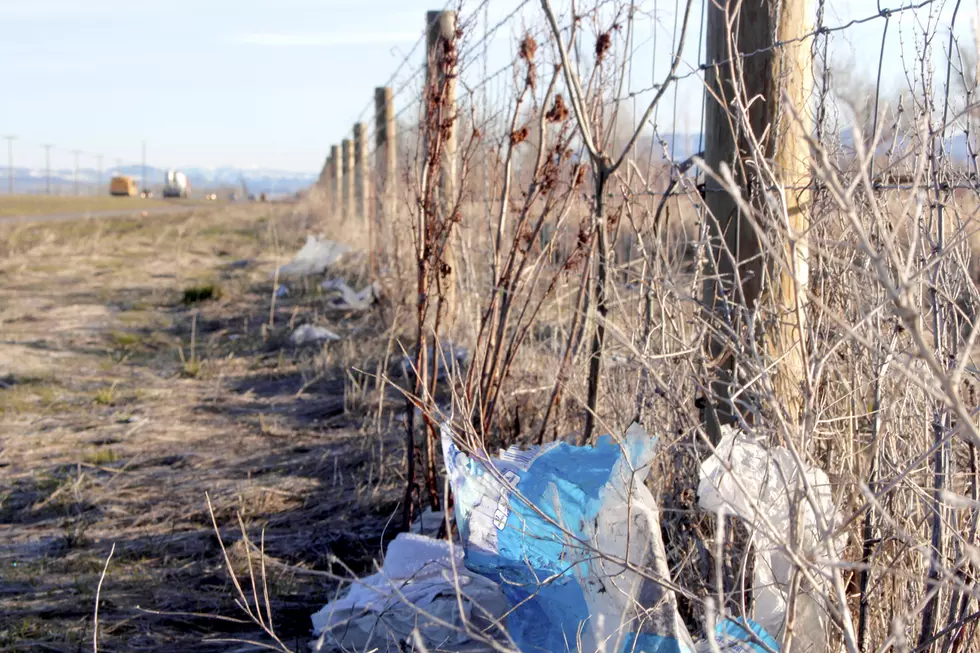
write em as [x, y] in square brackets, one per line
[123, 186]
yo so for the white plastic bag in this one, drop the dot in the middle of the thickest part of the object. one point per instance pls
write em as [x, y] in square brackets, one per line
[418, 587]
[314, 257]
[309, 334]
[766, 488]
[347, 299]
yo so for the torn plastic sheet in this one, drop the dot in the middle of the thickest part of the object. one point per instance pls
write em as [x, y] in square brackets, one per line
[314, 257]
[309, 334]
[349, 300]
[765, 487]
[553, 525]
[422, 584]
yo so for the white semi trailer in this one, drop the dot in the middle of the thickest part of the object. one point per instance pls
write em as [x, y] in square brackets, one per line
[176, 184]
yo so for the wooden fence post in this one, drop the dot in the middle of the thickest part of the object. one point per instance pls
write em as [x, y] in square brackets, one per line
[334, 183]
[360, 176]
[440, 82]
[774, 82]
[442, 29]
[347, 184]
[386, 154]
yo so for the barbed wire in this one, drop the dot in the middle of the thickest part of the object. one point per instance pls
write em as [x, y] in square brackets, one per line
[394, 75]
[821, 30]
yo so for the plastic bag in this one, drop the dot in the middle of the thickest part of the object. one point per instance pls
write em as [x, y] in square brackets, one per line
[309, 334]
[347, 299]
[553, 526]
[314, 257]
[416, 588]
[765, 487]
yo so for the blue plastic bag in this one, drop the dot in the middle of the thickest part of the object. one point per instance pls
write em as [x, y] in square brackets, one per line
[572, 536]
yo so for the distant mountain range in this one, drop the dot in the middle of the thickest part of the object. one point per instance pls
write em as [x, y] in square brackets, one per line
[272, 182]
[279, 182]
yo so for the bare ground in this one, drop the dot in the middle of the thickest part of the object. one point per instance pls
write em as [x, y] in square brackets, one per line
[122, 406]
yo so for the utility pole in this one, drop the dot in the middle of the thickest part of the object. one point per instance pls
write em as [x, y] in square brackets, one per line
[10, 164]
[75, 176]
[47, 167]
[99, 189]
[778, 80]
[143, 169]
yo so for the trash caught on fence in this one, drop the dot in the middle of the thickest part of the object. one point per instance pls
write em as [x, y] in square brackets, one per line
[561, 550]
[565, 531]
[308, 334]
[349, 300]
[314, 257]
[422, 584]
[767, 488]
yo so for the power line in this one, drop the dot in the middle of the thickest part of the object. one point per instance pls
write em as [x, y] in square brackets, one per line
[394, 75]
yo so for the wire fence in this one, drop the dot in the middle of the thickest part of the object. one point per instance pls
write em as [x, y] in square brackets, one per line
[668, 213]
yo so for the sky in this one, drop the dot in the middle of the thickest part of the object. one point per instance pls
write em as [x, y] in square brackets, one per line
[272, 84]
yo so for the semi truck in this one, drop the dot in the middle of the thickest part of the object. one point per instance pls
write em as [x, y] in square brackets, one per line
[176, 184]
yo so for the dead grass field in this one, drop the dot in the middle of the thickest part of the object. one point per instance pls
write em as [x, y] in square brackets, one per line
[41, 205]
[121, 407]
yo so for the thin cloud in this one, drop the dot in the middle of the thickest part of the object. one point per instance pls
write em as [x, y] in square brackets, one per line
[286, 39]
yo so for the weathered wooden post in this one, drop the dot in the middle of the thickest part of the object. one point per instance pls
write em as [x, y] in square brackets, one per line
[440, 79]
[769, 84]
[440, 89]
[324, 181]
[386, 154]
[434, 251]
[360, 176]
[335, 182]
[347, 183]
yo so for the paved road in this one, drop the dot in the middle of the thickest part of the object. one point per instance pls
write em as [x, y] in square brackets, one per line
[85, 215]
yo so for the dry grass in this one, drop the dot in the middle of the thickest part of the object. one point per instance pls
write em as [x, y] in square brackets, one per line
[106, 439]
[51, 205]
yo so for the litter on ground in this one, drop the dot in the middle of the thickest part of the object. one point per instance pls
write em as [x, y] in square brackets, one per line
[421, 585]
[308, 334]
[767, 488]
[553, 525]
[349, 300]
[314, 257]
[560, 546]
[448, 358]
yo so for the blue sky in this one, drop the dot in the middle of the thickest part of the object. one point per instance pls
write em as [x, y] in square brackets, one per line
[272, 83]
